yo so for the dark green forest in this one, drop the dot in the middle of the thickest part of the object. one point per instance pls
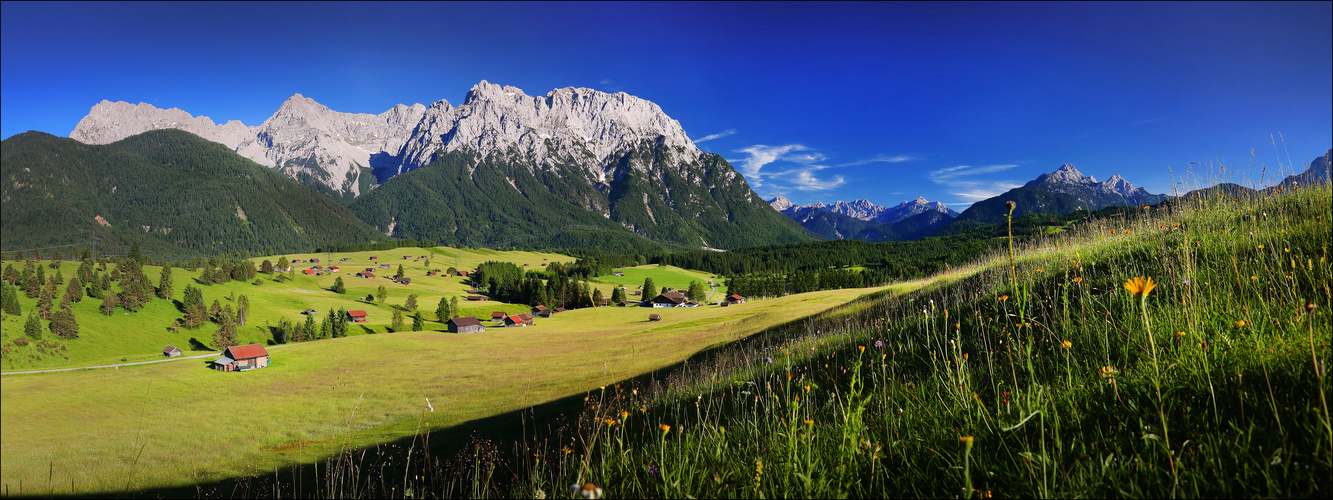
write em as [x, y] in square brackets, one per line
[174, 193]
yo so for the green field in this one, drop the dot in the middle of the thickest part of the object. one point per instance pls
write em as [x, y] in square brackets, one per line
[179, 423]
[663, 276]
[140, 336]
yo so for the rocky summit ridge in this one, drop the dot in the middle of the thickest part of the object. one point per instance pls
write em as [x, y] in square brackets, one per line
[348, 153]
[865, 210]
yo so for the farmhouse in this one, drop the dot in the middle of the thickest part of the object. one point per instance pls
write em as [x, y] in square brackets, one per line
[476, 298]
[654, 317]
[432, 273]
[617, 273]
[364, 274]
[242, 358]
[669, 299]
[735, 299]
[403, 280]
[171, 351]
[516, 320]
[357, 316]
[308, 312]
[469, 324]
[308, 272]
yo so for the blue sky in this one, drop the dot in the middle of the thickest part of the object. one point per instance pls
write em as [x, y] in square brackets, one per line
[815, 101]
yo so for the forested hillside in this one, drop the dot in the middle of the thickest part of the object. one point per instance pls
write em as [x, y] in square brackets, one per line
[461, 199]
[174, 193]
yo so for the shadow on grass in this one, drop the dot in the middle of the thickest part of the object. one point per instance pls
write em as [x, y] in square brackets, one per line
[528, 425]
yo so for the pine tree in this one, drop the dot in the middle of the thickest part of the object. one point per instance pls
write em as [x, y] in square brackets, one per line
[309, 327]
[399, 274]
[649, 289]
[44, 303]
[381, 294]
[10, 304]
[64, 325]
[397, 320]
[266, 267]
[338, 286]
[225, 336]
[56, 258]
[108, 303]
[164, 283]
[453, 307]
[206, 277]
[697, 292]
[411, 303]
[326, 326]
[41, 276]
[105, 285]
[33, 328]
[11, 275]
[215, 311]
[59, 278]
[340, 326]
[135, 254]
[418, 323]
[242, 309]
[597, 297]
[442, 311]
[74, 291]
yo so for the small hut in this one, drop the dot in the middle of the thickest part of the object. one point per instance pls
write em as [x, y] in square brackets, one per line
[469, 324]
[654, 317]
[171, 351]
[242, 358]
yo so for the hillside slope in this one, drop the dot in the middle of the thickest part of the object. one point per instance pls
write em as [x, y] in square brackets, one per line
[171, 191]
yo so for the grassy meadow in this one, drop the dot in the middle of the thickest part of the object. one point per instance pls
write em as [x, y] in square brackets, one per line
[1178, 352]
[179, 423]
[663, 276]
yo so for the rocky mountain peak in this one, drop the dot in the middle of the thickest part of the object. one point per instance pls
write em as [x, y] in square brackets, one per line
[578, 126]
[780, 203]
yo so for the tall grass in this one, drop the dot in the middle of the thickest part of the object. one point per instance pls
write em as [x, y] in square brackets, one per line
[1040, 376]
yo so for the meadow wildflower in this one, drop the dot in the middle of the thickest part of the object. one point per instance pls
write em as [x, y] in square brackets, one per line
[1066, 344]
[1003, 298]
[588, 490]
[1109, 372]
[965, 439]
[809, 422]
[1139, 286]
[862, 348]
[654, 472]
[1077, 279]
[879, 344]
[665, 428]
[1239, 323]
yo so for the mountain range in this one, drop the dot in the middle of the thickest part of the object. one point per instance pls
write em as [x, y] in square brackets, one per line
[573, 168]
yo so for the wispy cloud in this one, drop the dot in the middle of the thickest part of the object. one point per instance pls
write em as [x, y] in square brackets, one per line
[878, 159]
[718, 135]
[806, 181]
[761, 155]
[962, 170]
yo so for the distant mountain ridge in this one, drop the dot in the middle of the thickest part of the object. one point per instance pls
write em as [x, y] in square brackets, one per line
[1060, 192]
[861, 219]
[345, 154]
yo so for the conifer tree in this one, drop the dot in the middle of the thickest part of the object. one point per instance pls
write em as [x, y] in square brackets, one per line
[340, 326]
[44, 303]
[33, 328]
[59, 278]
[418, 323]
[106, 284]
[10, 303]
[309, 327]
[442, 311]
[411, 303]
[41, 276]
[64, 325]
[399, 274]
[453, 307]
[108, 303]
[215, 310]
[381, 294]
[397, 324]
[649, 289]
[338, 286]
[266, 267]
[11, 275]
[326, 326]
[56, 258]
[225, 336]
[597, 297]
[164, 283]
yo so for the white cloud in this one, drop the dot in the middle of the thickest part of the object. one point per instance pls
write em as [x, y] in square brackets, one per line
[805, 181]
[974, 191]
[718, 135]
[761, 155]
[878, 159]
[961, 170]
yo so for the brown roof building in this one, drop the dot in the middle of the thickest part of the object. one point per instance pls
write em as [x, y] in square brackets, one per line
[242, 358]
[469, 324]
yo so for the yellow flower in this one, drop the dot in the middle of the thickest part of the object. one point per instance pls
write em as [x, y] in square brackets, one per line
[862, 348]
[1240, 323]
[1066, 344]
[1261, 247]
[665, 428]
[1138, 286]
[965, 439]
[809, 422]
[1109, 371]
[624, 415]
[1078, 279]
[1180, 334]
[1003, 298]
[1252, 278]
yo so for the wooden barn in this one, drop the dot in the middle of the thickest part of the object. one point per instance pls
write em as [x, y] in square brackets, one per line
[469, 324]
[357, 316]
[515, 320]
[654, 317]
[498, 316]
[242, 358]
[171, 351]
[735, 299]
